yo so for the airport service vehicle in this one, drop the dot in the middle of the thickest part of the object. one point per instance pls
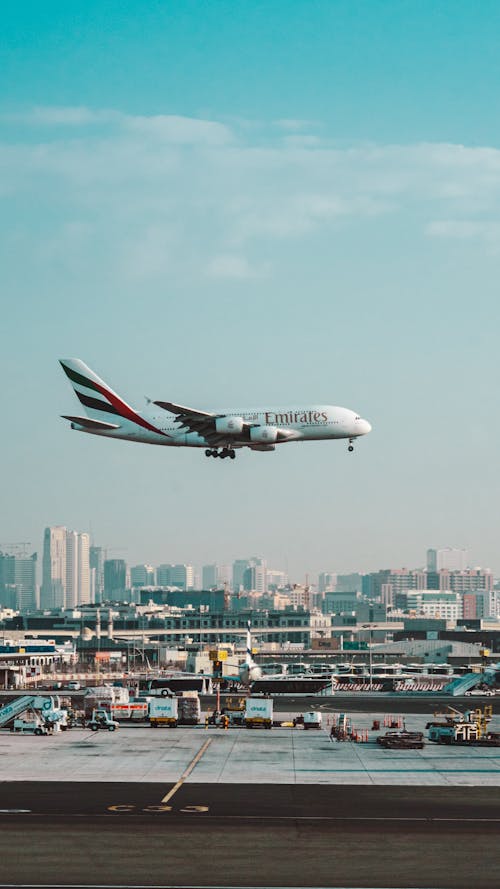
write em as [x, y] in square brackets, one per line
[220, 432]
[30, 712]
[258, 713]
[312, 720]
[102, 720]
[402, 740]
[164, 711]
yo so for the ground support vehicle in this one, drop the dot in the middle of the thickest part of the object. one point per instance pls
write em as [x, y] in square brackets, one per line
[235, 711]
[313, 719]
[164, 711]
[470, 727]
[101, 719]
[402, 740]
[258, 713]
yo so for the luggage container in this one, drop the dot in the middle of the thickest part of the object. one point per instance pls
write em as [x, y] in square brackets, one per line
[164, 711]
[259, 713]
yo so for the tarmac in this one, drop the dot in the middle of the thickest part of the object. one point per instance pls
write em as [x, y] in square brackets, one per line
[137, 753]
[281, 808]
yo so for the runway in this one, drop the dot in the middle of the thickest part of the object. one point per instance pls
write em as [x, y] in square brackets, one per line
[248, 835]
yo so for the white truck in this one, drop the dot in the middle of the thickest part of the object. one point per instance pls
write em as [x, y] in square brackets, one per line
[164, 711]
[313, 719]
[258, 713]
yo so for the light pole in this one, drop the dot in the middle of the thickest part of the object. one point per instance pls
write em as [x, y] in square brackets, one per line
[370, 628]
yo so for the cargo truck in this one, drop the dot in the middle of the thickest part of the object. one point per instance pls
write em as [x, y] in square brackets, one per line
[258, 713]
[164, 711]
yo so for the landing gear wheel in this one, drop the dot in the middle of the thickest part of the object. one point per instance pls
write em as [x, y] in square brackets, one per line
[224, 453]
[215, 453]
[350, 448]
[232, 454]
[208, 453]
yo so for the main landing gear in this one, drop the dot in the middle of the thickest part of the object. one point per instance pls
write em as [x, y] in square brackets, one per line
[225, 452]
[351, 446]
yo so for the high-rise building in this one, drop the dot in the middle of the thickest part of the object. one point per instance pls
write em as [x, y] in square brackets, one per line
[18, 589]
[210, 577]
[241, 579]
[53, 591]
[239, 568]
[327, 580]
[77, 569]
[142, 575]
[96, 563]
[448, 558]
[182, 576]
[164, 574]
[66, 579]
[115, 579]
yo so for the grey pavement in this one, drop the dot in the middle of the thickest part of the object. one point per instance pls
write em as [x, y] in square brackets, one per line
[280, 756]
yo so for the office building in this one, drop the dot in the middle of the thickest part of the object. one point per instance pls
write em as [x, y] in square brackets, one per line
[96, 563]
[142, 575]
[115, 579]
[77, 569]
[18, 588]
[53, 591]
[448, 558]
[327, 580]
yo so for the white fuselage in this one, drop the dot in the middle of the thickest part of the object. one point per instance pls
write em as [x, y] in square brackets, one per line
[302, 423]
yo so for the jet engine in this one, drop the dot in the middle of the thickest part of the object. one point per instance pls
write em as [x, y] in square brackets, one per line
[264, 434]
[229, 425]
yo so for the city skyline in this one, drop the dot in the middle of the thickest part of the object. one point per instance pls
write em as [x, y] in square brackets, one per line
[218, 233]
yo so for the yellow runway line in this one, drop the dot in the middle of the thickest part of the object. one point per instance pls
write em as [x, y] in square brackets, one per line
[188, 771]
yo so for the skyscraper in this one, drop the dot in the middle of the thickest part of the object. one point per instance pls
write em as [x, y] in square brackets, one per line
[96, 563]
[115, 578]
[53, 592]
[77, 569]
[18, 588]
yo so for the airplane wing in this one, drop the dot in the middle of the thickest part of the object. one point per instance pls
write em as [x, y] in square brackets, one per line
[201, 422]
[193, 420]
[204, 424]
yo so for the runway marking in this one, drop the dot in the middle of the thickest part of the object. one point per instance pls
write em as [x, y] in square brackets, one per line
[194, 762]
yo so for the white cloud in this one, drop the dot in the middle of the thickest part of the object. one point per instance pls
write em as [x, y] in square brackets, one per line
[165, 194]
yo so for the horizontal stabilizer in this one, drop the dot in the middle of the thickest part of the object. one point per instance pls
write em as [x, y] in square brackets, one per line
[97, 425]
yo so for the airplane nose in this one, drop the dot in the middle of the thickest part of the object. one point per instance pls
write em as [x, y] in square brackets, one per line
[364, 426]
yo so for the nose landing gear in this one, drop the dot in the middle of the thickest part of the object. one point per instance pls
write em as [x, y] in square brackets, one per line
[351, 446]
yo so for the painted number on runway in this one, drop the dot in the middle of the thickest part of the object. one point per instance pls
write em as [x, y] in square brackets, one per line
[125, 809]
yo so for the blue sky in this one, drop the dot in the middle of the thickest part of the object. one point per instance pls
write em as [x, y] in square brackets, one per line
[222, 203]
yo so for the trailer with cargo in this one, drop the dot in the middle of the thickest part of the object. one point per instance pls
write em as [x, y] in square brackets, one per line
[402, 740]
[258, 713]
[189, 708]
[164, 711]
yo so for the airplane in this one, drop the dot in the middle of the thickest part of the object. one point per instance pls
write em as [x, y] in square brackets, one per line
[220, 432]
